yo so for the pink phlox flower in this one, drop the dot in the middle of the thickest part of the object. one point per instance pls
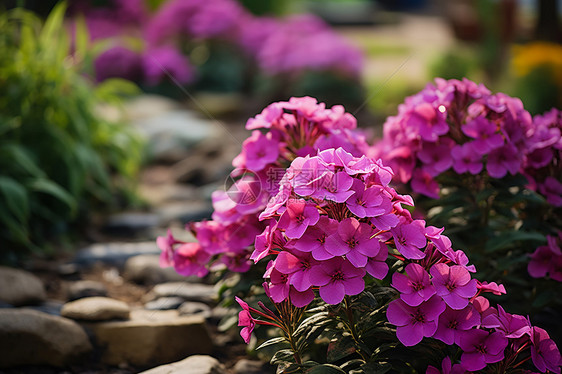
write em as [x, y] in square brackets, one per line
[237, 262]
[248, 323]
[267, 241]
[465, 159]
[409, 238]
[353, 165]
[248, 195]
[239, 236]
[436, 158]
[224, 208]
[460, 258]
[278, 285]
[336, 278]
[544, 352]
[489, 315]
[191, 259]
[308, 178]
[377, 266]
[551, 188]
[211, 236]
[423, 183]
[314, 238]
[555, 270]
[166, 245]
[493, 287]
[269, 117]
[334, 187]
[298, 216]
[502, 160]
[484, 134]
[480, 348]
[446, 368]
[414, 288]
[353, 239]
[415, 323]
[452, 323]
[367, 202]
[296, 265]
[301, 299]
[260, 150]
[512, 325]
[453, 284]
[429, 122]
[165, 63]
[541, 261]
[441, 242]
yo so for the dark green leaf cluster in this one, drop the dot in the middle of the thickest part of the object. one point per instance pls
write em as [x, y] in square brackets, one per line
[58, 159]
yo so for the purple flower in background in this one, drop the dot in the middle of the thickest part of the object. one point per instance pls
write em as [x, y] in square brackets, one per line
[453, 322]
[453, 284]
[544, 352]
[551, 188]
[493, 287]
[480, 348]
[484, 133]
[465, 159]
[118, 62]
[502, 160]
[540, 262]
[446, 368]
[165, 244]
[337, 278]
[423, 183]
[436, 158]
[166, 63]
[191, 259]
[414, 288]
[429, 122]
[409, 238]
[298, 216]
[415, 323]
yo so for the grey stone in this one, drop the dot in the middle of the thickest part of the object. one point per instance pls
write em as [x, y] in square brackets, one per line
[190, 308]
[96, 309]
[145, 269]
[164, 303]
[189, 291]
[51, 307]
[151, 338]
[29, 337]
[245, 366]
[197, 364]
[184, 212]
[86, 288]
[130, 223]
[114, 253]
[19, 287]
[170, 134]
[146, 106]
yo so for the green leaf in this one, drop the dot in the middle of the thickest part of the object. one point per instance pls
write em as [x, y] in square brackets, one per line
[15, 198]
[272, 342]
[341, 347]
[53, 25]
[284, 355]
[51, 188]
[377, 367]
[325, 369]
[505, 240]
[18, 155]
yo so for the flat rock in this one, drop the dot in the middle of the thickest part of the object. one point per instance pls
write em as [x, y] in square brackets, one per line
[170, 134]
[184, 212]
[130, 223]
[96, 309]
[29, 337]
[85, 288]
[190, 308]
[188, 291]
[151, 338]
[114, 253]
[164, 303]
[245, 366]
[145, 269]
[197, 364]
[19, 287]
[52, 307]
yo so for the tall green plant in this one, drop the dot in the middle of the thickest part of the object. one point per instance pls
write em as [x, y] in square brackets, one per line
[58, 159]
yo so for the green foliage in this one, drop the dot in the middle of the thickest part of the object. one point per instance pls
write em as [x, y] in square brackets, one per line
[57, 157]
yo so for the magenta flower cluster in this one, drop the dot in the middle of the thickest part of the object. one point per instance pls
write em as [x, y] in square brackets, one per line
[277, 46]
[298, 127]
[543, 160]
[455, 125]
[547, 259]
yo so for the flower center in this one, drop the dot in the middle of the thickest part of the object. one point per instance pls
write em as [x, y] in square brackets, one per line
[481, 348]
[450, 285]
[418, 316]
[338, 276]
[453, 324]
[352, 242]
[418, 286]
[300, 218]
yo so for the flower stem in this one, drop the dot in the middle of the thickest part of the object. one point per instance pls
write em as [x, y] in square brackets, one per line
[351, 325]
